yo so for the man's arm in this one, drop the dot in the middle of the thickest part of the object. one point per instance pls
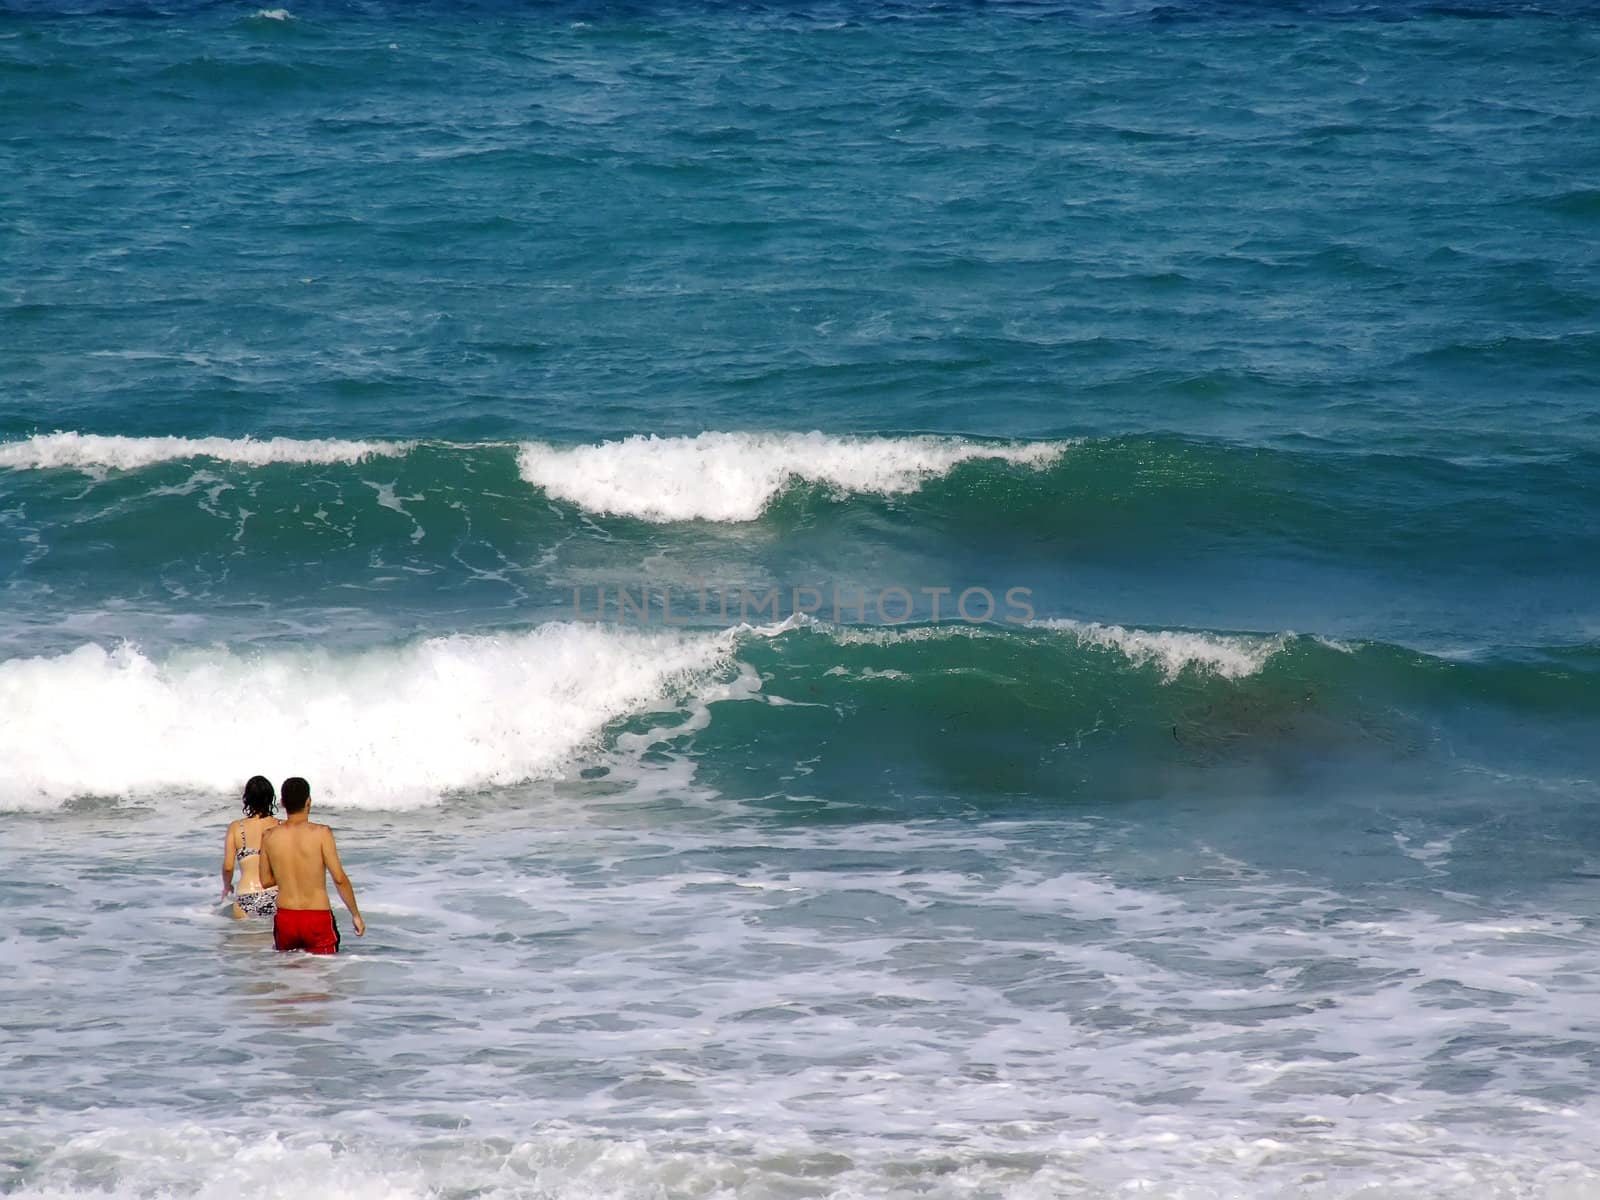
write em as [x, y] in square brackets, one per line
[330, 858]
[268, 879]
[230, 852]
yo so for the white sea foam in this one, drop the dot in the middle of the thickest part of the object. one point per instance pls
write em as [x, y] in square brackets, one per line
[734, 476]
[88, 451]
[275, 14]
[603, 1002]
[385, 728]
[398, 727]
[214, 1164]
[1232, 656]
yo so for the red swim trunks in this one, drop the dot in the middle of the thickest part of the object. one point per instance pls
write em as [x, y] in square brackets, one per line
[310, 929]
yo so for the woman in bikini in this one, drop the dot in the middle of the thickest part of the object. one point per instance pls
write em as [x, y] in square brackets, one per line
[243, 847]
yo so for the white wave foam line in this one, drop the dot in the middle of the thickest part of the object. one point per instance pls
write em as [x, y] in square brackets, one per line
[1174, 1160]
[1231, 656]
[88, 451]
[734, 476]
[383, 728]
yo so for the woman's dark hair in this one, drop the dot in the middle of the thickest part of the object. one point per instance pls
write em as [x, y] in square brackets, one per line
[258, 797]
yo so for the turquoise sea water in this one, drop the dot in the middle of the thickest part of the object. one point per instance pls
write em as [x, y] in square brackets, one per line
[1091, 511]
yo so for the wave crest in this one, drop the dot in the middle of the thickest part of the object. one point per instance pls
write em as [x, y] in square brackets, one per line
[1232, 656]
[734, 476]
[88, 451]
[382, 728]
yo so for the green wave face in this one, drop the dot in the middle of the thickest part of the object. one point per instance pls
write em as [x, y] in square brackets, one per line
[1095, 528]
[935, 719]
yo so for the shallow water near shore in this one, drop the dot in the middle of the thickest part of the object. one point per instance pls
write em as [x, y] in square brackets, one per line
[564, 993]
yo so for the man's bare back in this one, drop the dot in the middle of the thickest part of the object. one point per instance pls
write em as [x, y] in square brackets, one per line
[297, 857]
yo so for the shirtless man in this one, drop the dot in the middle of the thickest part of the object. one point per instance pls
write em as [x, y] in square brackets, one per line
[295, 857]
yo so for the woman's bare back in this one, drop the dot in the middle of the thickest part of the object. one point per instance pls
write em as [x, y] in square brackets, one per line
[248, 832]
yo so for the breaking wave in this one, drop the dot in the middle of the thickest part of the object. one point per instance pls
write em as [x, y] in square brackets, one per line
[385, 728]
[88, 451]
[407, 725]
[734, 476]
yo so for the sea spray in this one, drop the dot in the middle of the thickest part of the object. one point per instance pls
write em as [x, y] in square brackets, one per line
[388, 727]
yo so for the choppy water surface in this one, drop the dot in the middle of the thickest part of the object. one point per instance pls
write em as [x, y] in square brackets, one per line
[353, 360]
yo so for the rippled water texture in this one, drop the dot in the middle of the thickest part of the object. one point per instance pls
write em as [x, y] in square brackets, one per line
[354, 358]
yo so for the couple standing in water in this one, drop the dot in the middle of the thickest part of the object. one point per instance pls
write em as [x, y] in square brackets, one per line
[283, 868]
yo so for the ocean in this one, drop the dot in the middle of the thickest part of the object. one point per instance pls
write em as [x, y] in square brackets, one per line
[887, 598]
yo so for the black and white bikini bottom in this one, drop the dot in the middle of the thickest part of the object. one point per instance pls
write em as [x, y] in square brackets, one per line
[258, 904]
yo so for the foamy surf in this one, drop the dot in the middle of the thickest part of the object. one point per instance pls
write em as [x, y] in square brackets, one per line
[1173, 651]
[1171, 1158]
[88, 451]
[402, 726]
[735, 476]
[383, 728]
